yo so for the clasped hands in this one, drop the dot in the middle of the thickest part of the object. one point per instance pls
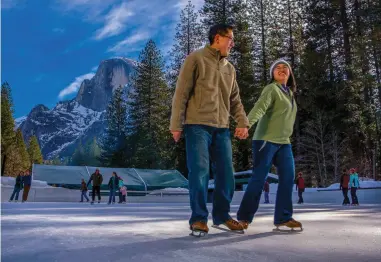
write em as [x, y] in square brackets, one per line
[240, 132]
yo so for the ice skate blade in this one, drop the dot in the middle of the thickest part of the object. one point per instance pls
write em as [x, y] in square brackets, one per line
[288, 230]
[228, 230]
[198, 233]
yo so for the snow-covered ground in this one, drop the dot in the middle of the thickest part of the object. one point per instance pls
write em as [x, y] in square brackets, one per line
[159, 232]
[171, 191]
[370, 183]
[10, 182]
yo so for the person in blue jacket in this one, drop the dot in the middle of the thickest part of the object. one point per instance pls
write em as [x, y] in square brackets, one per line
[120, 185]
[18, 187]
[354, 184]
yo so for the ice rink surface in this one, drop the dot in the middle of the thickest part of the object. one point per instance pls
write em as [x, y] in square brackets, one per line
[159, 232]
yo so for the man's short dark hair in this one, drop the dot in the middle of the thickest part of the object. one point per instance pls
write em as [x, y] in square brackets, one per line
[220, 29]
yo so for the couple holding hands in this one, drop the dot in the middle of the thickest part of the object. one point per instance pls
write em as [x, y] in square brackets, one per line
[206, 95]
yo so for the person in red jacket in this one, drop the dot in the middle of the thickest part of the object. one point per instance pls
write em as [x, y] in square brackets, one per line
[344, 181]
[266, 189]
[300, 187]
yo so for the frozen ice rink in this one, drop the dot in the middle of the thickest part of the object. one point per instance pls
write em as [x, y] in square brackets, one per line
[159, 232]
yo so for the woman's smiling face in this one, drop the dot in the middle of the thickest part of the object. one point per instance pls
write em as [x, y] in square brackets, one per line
[281, 73]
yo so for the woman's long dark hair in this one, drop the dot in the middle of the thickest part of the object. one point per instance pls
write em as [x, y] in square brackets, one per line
[291, 81]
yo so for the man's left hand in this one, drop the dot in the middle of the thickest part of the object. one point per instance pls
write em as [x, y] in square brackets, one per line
[241, 133]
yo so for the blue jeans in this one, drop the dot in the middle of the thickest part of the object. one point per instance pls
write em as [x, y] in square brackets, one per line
[267, 197]
[205, 144]
[16, 192]
[84, 194]
[354, 195]
[112, 196]
[264, 155]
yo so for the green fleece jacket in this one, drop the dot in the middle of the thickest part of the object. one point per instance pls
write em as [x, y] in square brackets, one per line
[275, 112]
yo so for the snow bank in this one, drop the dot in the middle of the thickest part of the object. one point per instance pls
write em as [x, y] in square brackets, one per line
[363, 184]
[10, 182]
[170, 191]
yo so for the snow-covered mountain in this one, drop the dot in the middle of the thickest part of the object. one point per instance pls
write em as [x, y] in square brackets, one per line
[111, 73]
[60, 129]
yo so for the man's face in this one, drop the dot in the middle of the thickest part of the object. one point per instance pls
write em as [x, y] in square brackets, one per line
[225, 42]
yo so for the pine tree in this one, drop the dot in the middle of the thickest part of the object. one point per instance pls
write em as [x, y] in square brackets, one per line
[317, 86]
[364, 79]
[22, 151]
[149, 113]
[188, 38]
[373, 20]
[315, 143]
[113, 146]
[79, 157]
[258, 24]
[216, 12]
[7, 120]
[55, 162]
[34, 151]
[7, 131]
[242, 59]
[93, 153]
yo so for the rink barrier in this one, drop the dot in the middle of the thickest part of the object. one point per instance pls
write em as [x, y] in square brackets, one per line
[144, 193]
[360, 188]
[365, 196]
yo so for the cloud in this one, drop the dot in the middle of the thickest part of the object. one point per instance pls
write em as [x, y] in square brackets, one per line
[138, 20]
[75, 85]
[112, 14]
[115, 22]
[90, 10]
[9, 4]
[39, 78]
[124, 46]
[94, 69]
[59, 30]
[149, 20]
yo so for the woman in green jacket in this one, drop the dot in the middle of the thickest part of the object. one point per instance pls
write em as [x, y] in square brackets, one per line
[275, 112]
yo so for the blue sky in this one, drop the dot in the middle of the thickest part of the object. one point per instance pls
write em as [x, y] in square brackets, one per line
[48, 47]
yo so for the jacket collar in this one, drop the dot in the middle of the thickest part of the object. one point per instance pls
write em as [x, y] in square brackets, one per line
[214, 52]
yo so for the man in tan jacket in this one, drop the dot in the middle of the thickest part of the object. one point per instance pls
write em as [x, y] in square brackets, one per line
[206, 95]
